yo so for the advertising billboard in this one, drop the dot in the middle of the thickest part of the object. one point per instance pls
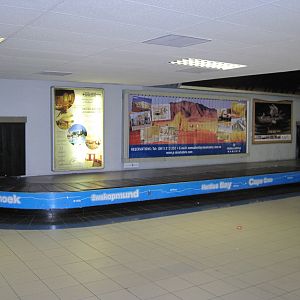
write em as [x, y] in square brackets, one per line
[77, 126]
[272, 122]
[175, 125]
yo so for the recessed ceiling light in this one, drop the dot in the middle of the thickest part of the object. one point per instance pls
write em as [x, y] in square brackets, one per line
[203, 63]
[2, 39]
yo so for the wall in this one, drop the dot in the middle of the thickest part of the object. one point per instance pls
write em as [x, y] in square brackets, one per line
[32, 99]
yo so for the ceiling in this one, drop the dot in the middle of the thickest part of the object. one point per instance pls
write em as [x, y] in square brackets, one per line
[102, 41]
[280, 82]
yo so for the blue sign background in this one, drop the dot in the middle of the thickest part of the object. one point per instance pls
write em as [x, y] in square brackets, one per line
[63, 200]
[169, 150]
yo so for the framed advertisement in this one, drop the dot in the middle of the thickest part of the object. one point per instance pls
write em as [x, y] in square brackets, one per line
[77, 129]
[168, 125]
[272, 122]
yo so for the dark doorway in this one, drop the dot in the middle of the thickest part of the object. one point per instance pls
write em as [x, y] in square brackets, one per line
[12, 149]
[298, 141]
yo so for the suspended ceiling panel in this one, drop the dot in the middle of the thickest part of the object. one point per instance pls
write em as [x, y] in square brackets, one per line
[103, 41]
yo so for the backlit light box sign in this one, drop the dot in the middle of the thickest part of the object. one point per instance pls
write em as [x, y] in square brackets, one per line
[77, 126]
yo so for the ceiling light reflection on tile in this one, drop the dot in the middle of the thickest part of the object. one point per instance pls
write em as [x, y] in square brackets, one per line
[2, 39]
[178, 41]
[209, 64]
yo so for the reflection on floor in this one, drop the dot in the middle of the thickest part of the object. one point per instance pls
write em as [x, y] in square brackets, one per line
[242, 252]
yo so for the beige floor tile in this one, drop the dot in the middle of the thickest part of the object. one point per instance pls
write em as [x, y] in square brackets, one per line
[179, 268]
[197, 277]
[143, 265]
[60, 251]
[166, 297]
[3, 281]
[77, 267]
[9, 259]
[258, 276]
[130, 280]
[118, 295]
[258, 292]
[59, 235]
[194, 293]
[174, 284]
[77, 292]
[41, 296]
[240, 295]
[156, 274]
[101, 262]
[20, 277]
[87, 253]
[289, 296]
[30, 288]
[237, 268]
[147, 291]
[115, 270]
[13, 267]
[59, 282]
[66, 259]
[126, 258]
[40, 263]
[282, 268]
[89, 276]
[219, 287]
[297, 292]
[295, 275]
[104, 286]
[287, 283]
[236, 282]
[201, 253]
[8, 293]
[31, 255]
[48, 272]
[216, 273]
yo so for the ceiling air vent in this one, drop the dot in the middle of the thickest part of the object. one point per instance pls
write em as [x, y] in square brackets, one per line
[54, 73]
[178, 41]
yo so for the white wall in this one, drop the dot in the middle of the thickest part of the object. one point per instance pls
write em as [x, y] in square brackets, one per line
[32, 99]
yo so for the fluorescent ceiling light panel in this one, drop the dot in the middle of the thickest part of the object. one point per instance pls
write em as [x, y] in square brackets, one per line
[197, 70]
[209, 64]
[178, 41]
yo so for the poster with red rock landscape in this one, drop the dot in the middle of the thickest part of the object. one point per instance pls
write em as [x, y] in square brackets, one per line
[169, 125]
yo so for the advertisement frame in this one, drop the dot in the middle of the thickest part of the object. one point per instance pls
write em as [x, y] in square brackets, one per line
[196, 95]
[52, 119]
[254, 122]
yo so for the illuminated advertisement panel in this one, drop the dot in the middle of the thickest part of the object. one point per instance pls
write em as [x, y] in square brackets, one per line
[175, 125]
[272, 122]
[77, 125]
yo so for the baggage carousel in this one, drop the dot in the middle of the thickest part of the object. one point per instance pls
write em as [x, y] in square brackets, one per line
[84, 190]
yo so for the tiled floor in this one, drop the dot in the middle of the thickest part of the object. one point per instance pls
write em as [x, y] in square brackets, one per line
[246, 252]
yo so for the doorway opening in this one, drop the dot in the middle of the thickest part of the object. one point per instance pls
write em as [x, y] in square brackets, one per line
[12, 146]
[298, 140]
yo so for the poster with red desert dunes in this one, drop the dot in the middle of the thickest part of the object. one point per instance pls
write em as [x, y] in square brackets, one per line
[172, 125]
